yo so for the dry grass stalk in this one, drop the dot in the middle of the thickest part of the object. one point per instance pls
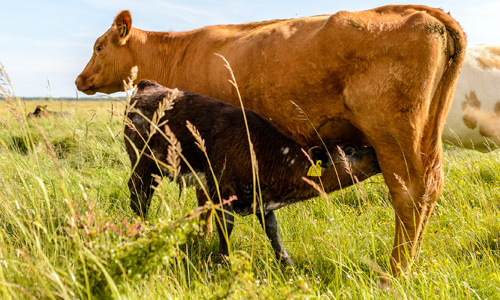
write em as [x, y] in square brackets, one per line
[348, 168]
[253, 157]
[403, 183]
[320, 190]
[173, 151]
[303, 116]
[314, 166]
[50, 150]
[129, 84]
[200, 142]
[256, 191]
[6, 89]
[166, 104]
[345, 161]
[308, 157]
[13, 103]
[233, 82]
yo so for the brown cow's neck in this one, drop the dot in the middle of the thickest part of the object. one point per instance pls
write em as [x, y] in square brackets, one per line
[148, 48]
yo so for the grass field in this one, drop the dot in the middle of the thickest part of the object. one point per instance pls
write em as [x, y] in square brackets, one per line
[66, 229]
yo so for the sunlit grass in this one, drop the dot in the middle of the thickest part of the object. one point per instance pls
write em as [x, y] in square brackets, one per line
[66, 229]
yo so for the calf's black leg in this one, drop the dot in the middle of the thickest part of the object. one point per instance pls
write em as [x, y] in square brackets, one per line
[141, 186]
[270, 225]
[225, 224]
[206, 216]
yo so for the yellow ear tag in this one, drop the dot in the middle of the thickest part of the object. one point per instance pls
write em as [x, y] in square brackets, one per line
[315, 171]
[124, 28]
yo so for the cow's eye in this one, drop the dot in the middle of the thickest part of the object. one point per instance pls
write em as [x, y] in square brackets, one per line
[98, 49]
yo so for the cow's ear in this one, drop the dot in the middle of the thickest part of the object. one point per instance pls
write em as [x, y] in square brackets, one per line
[123, 23]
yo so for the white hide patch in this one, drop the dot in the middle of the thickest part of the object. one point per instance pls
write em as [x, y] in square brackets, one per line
[198, 180]
[138, 120]
[247, 210]
[474, 118]
[490, 58]
[273, 205]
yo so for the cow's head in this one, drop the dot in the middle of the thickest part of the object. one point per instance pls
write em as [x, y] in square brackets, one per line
[111, 61]
[40, 111]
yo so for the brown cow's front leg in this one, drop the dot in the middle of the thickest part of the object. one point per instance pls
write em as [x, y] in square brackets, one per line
[270, 225]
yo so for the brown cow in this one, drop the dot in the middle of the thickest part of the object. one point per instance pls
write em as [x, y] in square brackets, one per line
[281, 163]
[383, 77]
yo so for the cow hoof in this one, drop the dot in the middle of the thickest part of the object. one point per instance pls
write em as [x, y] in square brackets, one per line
[205, 231]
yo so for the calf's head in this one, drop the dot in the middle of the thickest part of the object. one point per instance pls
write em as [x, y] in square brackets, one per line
[111, 61]
[344, 165]
[360, 162]
[319, 154]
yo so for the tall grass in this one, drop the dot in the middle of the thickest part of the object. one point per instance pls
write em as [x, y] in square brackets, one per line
[66, 229]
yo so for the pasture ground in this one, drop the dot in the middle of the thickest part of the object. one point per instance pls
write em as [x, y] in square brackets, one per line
[66, 229]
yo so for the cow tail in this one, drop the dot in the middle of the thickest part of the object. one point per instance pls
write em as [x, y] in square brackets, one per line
[454, 55]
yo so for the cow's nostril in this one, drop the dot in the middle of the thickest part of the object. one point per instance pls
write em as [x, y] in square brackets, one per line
[81, 83]
[78, 80]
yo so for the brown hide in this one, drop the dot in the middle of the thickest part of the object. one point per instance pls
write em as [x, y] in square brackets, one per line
[382, 77]
[282, 165]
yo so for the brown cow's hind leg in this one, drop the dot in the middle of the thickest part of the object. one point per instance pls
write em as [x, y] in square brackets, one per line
[415, 183]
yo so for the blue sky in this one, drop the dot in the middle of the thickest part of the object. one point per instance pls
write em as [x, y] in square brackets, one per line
[44, 42]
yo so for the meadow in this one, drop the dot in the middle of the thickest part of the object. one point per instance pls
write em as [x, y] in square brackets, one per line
[67, 232]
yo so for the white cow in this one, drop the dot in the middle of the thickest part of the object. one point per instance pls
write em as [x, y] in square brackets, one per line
[474, 118]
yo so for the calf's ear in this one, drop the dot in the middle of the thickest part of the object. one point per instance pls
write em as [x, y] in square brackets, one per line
[123, 23]
[317, 153]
